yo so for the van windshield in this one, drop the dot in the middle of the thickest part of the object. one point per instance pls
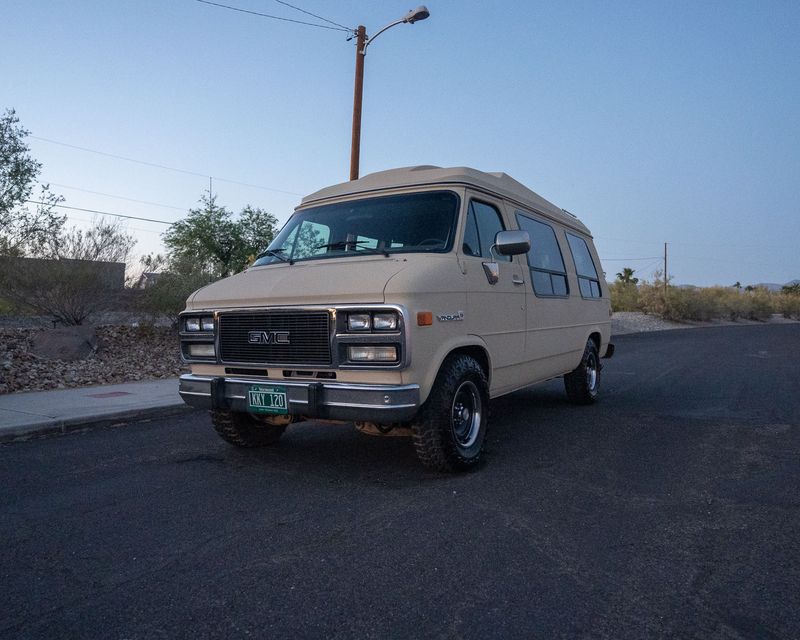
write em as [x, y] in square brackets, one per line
[417, 222]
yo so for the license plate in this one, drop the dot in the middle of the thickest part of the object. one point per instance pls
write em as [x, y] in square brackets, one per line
[267, 399]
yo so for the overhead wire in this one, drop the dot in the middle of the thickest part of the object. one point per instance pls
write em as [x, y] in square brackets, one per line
[109, 195]
[274, 17]
[308, 13]
[162, 166]
[104, 213]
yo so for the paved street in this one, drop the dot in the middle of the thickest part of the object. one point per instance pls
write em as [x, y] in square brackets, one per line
[670, 508]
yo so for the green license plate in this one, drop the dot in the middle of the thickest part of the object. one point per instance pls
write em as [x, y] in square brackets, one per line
[267, 399]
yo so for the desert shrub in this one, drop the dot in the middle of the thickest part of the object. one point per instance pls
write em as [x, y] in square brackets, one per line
[624, 296]
[651, 297]
[167, 297]
[789, 305]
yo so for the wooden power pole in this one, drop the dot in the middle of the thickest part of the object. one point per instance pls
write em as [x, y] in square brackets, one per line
[358, 93]
[665, 272]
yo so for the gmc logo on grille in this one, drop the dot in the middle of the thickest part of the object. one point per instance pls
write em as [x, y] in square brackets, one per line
[268, 337]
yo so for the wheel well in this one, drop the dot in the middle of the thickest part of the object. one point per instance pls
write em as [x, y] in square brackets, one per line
[480, 355]
[595, 337]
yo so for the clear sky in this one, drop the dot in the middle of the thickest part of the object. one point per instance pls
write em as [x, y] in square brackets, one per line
[652, 121]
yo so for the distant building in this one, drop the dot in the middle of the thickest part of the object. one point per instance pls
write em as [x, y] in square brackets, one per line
[111, 274]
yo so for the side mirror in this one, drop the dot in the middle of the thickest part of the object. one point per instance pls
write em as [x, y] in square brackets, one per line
[512, 243]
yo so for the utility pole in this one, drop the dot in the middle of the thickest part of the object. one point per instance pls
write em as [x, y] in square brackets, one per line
[665, 272]
[362, 42]
[358, 93]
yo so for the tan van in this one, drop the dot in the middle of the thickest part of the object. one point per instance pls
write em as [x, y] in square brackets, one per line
[401, 302]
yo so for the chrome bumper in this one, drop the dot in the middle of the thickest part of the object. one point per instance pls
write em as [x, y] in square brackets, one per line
[332, 400]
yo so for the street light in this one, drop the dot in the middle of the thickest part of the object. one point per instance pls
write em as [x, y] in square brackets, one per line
[362, 42]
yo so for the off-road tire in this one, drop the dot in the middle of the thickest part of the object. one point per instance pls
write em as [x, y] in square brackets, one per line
[245, 430]
[583, 383]
[443, 442]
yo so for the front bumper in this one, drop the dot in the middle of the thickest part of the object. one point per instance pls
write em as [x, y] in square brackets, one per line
[331, 400]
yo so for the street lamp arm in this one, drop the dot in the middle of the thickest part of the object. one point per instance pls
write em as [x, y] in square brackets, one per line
[380, 31]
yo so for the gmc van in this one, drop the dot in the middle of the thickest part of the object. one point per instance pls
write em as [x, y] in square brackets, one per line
[401, 302]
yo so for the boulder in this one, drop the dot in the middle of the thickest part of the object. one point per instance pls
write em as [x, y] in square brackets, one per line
[65, 343]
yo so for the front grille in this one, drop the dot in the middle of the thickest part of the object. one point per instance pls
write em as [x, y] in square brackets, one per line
[309, 337]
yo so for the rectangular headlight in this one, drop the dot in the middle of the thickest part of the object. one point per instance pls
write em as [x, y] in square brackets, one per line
[372, 354]
[201, 350]
[358, 322]
[207, 324]
[384, 321]
[193, 324]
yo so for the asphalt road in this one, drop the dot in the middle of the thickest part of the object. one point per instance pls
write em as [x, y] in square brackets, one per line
[669, 509]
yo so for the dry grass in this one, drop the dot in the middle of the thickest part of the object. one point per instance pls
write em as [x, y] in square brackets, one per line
[702, 303]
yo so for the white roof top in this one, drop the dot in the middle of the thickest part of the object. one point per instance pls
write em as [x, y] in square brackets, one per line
[500, 183]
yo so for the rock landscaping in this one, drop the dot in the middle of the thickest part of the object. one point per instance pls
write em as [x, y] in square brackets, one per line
[120, 354]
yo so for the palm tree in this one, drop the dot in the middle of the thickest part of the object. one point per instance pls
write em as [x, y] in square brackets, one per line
[626, 276]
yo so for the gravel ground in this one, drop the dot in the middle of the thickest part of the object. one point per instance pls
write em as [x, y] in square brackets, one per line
[125, 354]
[637, 322]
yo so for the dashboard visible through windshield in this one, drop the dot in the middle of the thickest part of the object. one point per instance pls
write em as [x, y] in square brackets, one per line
[417, 222]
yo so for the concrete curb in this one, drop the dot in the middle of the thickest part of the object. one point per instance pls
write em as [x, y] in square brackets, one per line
[61, 426]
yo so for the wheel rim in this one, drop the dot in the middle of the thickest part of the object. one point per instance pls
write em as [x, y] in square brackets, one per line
[466, 414]
[591, 372]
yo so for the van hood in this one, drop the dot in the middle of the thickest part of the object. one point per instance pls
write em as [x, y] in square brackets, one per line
[333, 281]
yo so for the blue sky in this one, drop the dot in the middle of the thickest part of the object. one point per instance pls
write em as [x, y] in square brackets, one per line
[653, 122]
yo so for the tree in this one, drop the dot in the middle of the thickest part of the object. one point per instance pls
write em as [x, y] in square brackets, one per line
[792, 289]
[737, 285]
[23, 229]
[214, 242]
[626, 276]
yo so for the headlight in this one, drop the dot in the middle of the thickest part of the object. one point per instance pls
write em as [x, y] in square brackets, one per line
[207, 324]
[193, 324]
[384, 321]
[372, 354]
[201, 350]
[358, 322]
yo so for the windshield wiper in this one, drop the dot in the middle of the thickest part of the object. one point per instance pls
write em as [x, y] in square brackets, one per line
[275, 253]
[343, 244]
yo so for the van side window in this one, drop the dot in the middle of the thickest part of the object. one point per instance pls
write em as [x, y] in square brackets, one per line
[546, 263]
[588, 282]
[482, 225]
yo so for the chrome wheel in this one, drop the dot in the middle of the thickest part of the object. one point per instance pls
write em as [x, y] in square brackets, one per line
[466, 414]
[591, 372]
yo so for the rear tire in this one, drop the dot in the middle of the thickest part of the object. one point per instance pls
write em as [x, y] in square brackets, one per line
[450, 429]
[245, 430]
[583, 383]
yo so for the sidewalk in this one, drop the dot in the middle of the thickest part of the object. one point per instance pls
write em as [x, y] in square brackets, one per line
[38, 412]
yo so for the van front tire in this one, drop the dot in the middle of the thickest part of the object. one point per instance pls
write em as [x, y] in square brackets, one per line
[583, 383]
[450, 430]
[245, 430]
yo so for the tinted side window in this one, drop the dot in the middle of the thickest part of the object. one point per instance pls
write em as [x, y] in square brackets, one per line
[548, 274]
[483, 224]
[588, 281]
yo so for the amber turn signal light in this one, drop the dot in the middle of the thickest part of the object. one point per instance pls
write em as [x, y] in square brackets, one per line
[424, 318]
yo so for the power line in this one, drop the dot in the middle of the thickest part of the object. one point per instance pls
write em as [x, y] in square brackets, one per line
[268, 15]
[631, 259]
[162, 166]
[104, 213]
[109, 195]
[308, 13]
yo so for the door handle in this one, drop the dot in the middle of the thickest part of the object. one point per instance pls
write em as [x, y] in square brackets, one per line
[517, 279]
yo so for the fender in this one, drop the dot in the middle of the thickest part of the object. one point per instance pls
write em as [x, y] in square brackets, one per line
[434, 363]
